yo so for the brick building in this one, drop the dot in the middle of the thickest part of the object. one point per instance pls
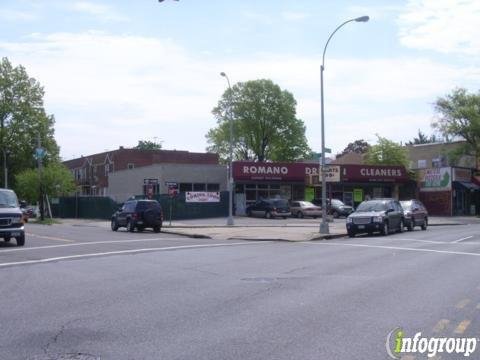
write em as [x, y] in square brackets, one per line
[92, 172]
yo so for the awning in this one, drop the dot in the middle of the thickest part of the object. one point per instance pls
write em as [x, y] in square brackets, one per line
[469, 185]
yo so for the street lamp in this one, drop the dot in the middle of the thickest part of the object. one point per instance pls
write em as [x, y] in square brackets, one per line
[230, 169]
[324, 224]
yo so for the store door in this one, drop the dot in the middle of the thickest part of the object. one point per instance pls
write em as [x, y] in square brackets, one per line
[240, 204]
[348, 198]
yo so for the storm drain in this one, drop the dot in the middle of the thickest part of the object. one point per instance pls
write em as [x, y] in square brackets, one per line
[71, 356]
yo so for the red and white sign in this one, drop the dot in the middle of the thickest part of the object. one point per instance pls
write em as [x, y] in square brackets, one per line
[202, 197]
[251, 171]
[374, 173]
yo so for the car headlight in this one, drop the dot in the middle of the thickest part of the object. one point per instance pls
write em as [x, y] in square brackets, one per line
[378, 219]
[349, 220]
[17, 218]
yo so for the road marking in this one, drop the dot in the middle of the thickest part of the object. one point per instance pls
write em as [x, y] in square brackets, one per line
[462, 239]
[462, 327]
[463, 303]
[440, 326]
[89, 243]
[394, 248]
[123, 252]
[50, 237]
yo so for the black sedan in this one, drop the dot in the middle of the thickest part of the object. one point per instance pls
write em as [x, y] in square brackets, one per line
[380, 215]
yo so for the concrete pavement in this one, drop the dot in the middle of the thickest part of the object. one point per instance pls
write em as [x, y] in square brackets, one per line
[291, 229]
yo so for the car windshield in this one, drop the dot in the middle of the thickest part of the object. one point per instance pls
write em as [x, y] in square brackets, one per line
[406, 205]
[8, 199]
[337, 202]
[372, 206]
[306, 204]
[144, 205]
[280, 203]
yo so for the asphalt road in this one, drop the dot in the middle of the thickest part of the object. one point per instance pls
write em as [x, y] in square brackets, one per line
[87, 290]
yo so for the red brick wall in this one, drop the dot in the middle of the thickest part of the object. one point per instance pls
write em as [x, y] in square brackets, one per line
[437, 202]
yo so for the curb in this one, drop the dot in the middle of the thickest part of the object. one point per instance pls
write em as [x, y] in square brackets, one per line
[193, 236]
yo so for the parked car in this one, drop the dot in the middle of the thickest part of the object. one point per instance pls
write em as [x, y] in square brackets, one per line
[378, 215]
[335, 207]
[138, 214]
[269, 208]
[28, 212]
[11, 218]
[415, 214]
[301, 209]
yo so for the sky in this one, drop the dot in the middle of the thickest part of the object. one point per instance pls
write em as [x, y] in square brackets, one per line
[116, 72]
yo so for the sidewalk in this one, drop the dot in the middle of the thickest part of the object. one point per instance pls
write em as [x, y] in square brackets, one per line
[263, 229]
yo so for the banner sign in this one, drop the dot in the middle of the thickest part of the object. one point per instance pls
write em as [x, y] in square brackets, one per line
[202, 197]
[436, 179]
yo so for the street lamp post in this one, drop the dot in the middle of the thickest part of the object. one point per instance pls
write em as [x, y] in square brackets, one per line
[230, 169]
[324, 224]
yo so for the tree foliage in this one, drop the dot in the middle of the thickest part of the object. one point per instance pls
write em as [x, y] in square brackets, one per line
[386, 152]
[148, 145]
[423, 139]
[55, 180]
[459, 117]
[22, 120]
[358, 147]
[264, 122]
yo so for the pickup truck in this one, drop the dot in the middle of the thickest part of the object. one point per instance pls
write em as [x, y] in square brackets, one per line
[11, 218]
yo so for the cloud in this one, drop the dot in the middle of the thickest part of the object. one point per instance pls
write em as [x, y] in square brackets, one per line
[294, 16]
[12, 15]
[109, 90]
[447, 26]
[101, 11]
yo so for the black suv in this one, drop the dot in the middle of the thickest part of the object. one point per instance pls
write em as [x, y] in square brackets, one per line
[382, 215]
[11, 218]
[138, 214]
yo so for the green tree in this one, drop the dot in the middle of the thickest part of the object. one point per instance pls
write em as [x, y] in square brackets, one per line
[423, 139]
[358, 147]
[22, 120]
[265, 124]
[386, 152]
[148, 145]
[459, 117]
[55, 180]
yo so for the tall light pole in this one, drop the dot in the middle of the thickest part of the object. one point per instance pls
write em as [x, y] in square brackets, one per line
[230, 168]
[324, 224]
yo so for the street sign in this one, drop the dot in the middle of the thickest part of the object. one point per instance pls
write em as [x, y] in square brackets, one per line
[39, 153]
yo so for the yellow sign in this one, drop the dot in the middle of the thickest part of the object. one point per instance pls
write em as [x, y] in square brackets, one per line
[309, 193]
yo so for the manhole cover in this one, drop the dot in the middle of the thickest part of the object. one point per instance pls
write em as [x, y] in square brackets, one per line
[72, 356]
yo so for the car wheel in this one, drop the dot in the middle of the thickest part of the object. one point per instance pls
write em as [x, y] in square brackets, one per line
[402, 225]
[157, 229]
[351, 234]
[7, 238]
[114, 225]
[335, 215]
[385, 229]
[130, 227]
[410, 225]
[300, 215]
[425, 224]
[140, 228]
[20, 240]
[315, 216]
[268, 214]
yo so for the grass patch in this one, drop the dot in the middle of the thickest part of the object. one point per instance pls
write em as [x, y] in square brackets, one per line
[46, 221]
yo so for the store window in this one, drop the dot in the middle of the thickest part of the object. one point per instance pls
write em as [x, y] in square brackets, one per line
[199, 187]
[184, 187]
[213, 187]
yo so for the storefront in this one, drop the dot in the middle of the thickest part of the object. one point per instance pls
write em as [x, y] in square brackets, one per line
[302, 181]
[449, 191]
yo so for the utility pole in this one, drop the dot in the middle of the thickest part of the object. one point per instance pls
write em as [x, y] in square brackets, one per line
[39, 155]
